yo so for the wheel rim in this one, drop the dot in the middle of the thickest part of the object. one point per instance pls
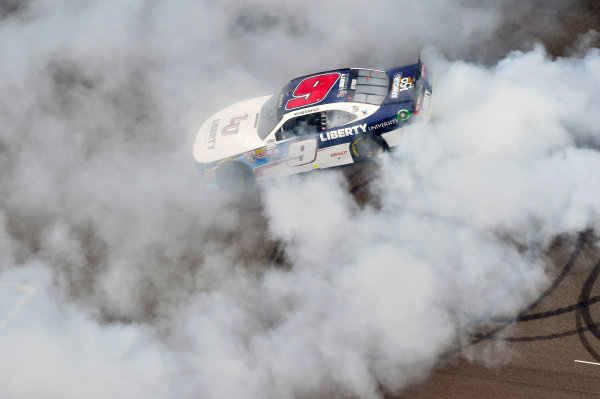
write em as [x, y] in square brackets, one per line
[368, 148]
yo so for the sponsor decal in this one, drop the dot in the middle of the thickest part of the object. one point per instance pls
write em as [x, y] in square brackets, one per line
[339, 154]
[270, 144]
[226, 159]
[383, 124]
[355, 108]
[280, 101]
[342, 93]
[234, 125]
[212, 134]
[343, 82]
[339, 133]
[306, 111]
[400, 84]
[250, 157]
[396, 85]
[403, 114]
[353, 84]
[365, 112]
[406, 83]
[261, 153]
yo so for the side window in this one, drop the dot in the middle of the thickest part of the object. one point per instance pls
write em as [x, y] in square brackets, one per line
[301, 126]
[337, 118]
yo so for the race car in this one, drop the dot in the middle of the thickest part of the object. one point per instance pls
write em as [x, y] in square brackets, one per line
[318, 121]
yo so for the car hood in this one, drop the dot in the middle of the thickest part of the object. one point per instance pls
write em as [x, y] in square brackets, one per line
[230, 132]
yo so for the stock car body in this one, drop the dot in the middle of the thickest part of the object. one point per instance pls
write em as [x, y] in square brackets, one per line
[318, 121]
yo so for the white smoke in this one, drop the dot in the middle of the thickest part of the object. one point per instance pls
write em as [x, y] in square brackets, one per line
[150, 285]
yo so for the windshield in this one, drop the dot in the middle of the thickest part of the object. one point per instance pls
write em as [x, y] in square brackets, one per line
[268, 118]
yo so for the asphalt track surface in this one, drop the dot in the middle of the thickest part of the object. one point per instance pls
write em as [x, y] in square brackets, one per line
[551, 349]
[553, 345]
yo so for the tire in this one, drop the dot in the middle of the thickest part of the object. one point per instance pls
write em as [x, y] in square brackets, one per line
[365, 148]
[234, 175]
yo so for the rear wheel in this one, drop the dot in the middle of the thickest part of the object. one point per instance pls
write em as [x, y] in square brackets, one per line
[234, 174]
[364, 148]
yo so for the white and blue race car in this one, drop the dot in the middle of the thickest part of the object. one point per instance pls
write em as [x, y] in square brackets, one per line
[318, 121]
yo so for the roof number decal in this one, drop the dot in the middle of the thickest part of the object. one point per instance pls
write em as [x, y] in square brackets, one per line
[312, 90]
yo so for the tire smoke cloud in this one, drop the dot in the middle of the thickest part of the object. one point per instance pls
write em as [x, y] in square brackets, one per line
[153, 285]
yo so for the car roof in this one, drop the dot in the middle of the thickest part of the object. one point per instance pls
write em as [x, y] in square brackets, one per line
[342, 89]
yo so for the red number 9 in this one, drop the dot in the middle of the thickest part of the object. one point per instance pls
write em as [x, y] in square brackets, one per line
[312, 90]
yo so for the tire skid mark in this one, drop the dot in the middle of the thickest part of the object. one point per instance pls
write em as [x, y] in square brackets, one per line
[566, 269]
[585, 314]
[584, 321]
[359, 186]
[357, 172]
[524, 316]
[277, 256]
[580, 329]
[477, 338]
[554, 312]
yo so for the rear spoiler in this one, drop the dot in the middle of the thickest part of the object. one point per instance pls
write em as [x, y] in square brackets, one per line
[422, 70]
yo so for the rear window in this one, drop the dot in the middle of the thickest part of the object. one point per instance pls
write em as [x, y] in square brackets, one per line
[370, 86]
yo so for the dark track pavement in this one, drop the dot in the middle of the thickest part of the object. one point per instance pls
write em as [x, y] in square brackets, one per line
[543, 343]
[534, 353]
[552, 349]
